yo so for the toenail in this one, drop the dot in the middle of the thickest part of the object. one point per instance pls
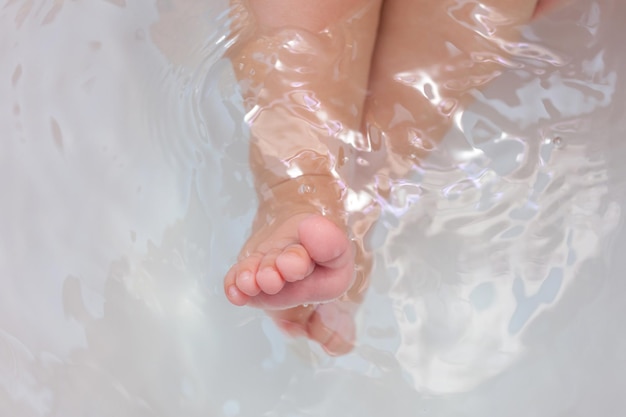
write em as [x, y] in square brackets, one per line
[269, 271]
[245, 276]
[233, 292]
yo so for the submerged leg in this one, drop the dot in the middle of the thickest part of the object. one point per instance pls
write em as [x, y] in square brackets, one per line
[429, 56]
[303, 69]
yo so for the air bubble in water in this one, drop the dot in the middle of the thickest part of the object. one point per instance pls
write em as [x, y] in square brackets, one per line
[306, 189]
[558, 142]
[362, 162]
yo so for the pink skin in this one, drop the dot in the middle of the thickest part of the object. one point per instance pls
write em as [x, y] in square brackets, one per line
[301, 262]
[546, 6]
[305, 246]
[295, 256]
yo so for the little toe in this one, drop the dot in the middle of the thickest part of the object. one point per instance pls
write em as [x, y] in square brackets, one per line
[233, 293]
[246, 275]
[294, 263]
[268, 278]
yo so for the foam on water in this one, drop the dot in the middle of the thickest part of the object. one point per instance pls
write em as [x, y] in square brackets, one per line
[126, 195]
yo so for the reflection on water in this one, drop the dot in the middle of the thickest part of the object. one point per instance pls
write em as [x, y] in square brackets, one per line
[123, 167]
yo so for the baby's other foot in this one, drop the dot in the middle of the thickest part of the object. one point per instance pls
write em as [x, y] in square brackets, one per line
[331, 324]
[301, 267]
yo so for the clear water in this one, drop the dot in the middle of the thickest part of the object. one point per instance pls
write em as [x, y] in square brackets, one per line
[498, 285]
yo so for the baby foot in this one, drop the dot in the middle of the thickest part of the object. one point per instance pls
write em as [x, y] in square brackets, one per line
[305, 259]
[291, 263]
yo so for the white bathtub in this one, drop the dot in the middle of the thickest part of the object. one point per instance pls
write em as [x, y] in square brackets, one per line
[499, 283]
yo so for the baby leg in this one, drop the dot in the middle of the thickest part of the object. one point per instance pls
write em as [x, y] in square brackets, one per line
[429, 55]
[303, 67]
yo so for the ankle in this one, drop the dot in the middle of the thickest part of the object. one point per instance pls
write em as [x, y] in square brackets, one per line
[311, 193]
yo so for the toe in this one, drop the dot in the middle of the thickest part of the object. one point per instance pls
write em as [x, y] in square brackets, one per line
[233, 293]
[294, 263]
[326, 243]
[268, 277]
[246, 280]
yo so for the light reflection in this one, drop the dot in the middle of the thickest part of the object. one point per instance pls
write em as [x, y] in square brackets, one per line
[444, 333]
[421, 82]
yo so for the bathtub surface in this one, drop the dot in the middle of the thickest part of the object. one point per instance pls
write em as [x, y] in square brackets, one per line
[499, 280]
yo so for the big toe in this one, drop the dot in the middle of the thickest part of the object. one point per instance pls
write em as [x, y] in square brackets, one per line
[324, 241]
